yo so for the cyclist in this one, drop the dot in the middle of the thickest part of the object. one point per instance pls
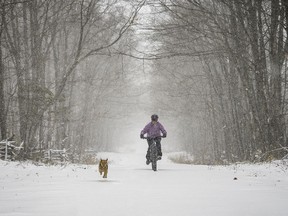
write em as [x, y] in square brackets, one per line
[154, 130]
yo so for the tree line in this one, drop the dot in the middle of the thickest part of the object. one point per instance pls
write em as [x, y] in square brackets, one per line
[57, 70]
[224, 68]
[218, 70]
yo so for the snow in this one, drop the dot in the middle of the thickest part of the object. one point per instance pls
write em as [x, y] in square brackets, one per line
[132, 188]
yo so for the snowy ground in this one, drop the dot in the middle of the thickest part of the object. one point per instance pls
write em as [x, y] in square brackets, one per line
[132, 188]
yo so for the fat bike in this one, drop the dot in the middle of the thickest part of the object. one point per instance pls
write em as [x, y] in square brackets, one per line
[152, 151]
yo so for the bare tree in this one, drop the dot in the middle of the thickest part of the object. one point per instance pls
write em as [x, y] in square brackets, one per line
[47, 42]
[2, 76]
[230, 40]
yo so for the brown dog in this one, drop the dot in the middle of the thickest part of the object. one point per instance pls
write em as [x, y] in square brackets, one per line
[103, 167]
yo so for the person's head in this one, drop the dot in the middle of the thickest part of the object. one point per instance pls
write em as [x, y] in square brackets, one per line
[154, 118]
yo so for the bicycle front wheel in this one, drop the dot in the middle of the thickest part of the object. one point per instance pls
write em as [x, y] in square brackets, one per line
[153, 156]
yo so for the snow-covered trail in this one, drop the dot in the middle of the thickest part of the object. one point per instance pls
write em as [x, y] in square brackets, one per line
[132, 188]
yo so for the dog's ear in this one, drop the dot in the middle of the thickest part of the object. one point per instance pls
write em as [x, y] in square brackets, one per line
[106, 159]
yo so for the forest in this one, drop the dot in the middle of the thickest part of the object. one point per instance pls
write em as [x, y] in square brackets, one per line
[81, 75]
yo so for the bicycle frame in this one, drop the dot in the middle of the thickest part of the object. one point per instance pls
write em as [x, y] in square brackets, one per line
[153, 152]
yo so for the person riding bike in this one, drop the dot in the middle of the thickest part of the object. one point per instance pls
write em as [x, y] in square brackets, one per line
[153, 130]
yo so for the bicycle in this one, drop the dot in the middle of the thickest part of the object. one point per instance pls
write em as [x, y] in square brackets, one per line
[153, 152]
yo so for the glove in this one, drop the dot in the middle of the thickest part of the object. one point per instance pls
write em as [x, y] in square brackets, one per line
[164, 135]
[142, 136]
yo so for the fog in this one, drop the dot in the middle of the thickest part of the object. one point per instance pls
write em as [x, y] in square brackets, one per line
[87, 76]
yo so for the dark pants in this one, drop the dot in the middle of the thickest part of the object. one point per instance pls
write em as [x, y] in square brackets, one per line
[158, 145]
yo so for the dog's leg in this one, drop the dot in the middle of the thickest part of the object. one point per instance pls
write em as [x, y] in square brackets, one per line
[105, 174]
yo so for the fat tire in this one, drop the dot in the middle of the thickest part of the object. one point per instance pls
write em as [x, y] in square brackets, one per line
[153, 155]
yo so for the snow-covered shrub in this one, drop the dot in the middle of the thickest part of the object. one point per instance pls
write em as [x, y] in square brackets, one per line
[181, 158]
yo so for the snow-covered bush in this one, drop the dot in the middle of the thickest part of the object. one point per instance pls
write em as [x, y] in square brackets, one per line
[181, 158]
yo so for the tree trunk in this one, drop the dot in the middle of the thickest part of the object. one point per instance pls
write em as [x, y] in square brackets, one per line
[3, 126]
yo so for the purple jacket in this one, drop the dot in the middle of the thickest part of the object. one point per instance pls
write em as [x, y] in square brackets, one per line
[153, 130]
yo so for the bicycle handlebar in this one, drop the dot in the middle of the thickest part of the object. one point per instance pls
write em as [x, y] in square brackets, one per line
[154, 137]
